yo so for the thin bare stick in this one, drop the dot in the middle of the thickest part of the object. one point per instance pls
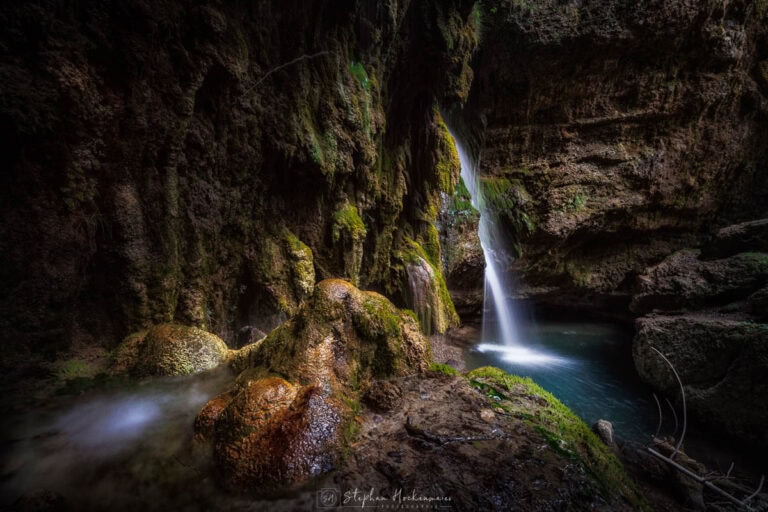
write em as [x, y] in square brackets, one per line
[730, 468]
[658, 407]
[682, 393]
[285, 65]
[759, 488]
[674, 415]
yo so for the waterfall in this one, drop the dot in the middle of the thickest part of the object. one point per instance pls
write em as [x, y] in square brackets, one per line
[501, 326]
[499, 319]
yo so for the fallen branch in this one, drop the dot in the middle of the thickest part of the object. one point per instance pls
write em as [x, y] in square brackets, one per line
[704, 481]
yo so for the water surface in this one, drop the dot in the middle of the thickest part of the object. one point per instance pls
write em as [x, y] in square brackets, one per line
[587, 366]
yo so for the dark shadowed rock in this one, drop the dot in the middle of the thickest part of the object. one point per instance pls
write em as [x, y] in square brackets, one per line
[721, 362]
[747, 236]
[383, 396]
[683, 281]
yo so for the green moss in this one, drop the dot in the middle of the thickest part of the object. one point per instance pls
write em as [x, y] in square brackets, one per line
[559, 426]
[575, 200]
[430, 241]
[357, 70]
[302, 268]
[73, 369]
[506, 200]
[411, 313]
[448, 163]
[380, 319]
[443, 368]
[351, 426]
[757, 260]
[347, 221]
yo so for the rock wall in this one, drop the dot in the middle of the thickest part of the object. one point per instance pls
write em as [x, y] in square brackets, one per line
[620, 132]
[206, 162]
[705, 310]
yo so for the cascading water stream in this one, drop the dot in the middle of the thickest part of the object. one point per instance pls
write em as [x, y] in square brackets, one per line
[501, 331]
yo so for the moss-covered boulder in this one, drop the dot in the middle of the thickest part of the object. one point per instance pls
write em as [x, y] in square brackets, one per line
[170, 349]
[291, 413]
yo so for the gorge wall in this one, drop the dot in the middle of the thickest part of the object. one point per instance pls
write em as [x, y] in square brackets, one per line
[207, 162]
[614, 133]
[624, 148]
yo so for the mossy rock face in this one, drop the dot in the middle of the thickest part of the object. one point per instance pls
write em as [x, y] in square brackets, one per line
[428, 294]
[170, 349]
[291, 413]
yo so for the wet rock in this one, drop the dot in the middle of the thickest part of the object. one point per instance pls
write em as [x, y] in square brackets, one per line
[205, 421]
[685, 281]
[273, 433]
[604, 431]
[467, 441]
[722, 363]
[342, 335]
[270, 432]
[171, 349]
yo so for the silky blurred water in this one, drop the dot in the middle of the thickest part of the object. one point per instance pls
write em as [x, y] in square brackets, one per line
[587, 366]
[112, 449]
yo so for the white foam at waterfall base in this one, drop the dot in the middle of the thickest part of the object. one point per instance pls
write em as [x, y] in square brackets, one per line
[520, 355]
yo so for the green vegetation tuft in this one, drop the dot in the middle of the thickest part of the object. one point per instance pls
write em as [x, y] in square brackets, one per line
[347, 221]
[444, 369]
[73, 369]
[357, 70]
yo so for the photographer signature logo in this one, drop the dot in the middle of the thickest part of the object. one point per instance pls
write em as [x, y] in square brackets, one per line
[370, 499]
